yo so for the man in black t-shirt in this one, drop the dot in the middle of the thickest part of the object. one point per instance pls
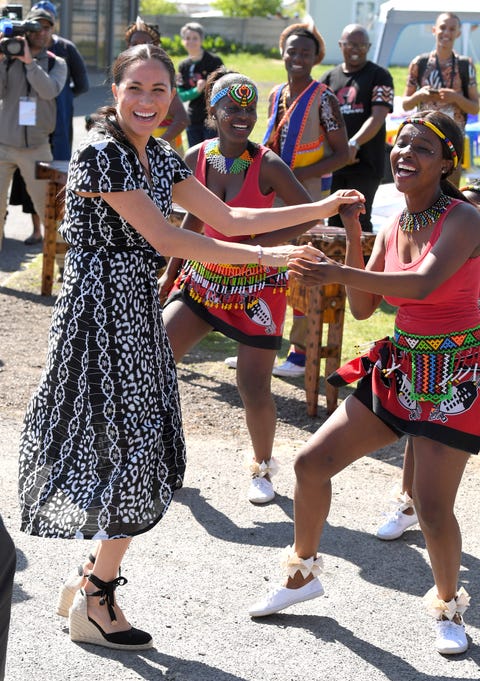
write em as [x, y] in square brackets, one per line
[365, 93]
[193, 73]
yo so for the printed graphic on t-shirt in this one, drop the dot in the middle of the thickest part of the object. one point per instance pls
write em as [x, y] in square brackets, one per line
[382, 94]
[347, 97]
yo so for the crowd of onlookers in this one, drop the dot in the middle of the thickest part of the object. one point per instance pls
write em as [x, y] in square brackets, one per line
[51, 72]
[440, 80]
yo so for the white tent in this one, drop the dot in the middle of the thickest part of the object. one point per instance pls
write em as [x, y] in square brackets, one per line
[395, 15]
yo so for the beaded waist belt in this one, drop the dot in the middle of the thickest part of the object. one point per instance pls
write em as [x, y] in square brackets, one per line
[433, 360]
[229, 286]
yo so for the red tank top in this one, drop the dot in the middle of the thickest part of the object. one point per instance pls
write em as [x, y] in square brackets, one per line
[249, 195]
[453, 306]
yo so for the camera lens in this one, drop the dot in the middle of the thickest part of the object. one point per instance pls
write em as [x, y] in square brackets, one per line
[14, 48]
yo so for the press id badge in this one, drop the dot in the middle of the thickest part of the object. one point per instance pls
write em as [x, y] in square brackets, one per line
[27, 111]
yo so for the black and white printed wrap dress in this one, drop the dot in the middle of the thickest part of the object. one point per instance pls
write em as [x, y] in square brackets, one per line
[102, 449]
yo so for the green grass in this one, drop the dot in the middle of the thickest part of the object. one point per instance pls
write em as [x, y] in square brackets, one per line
[356, 334]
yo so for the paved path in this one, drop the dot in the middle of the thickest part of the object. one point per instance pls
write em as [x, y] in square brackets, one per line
[192, 577]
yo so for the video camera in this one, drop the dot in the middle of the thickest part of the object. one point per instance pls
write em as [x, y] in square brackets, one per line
[11, 25]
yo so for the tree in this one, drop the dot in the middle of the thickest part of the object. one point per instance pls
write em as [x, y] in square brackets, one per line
[248, 8]
[154, 7]
[296, 8]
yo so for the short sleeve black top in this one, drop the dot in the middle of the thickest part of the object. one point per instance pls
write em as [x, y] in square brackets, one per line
[189, 73]
[357, 92]
[105, 165]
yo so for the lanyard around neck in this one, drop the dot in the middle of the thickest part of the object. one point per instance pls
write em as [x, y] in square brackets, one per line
[439, 70]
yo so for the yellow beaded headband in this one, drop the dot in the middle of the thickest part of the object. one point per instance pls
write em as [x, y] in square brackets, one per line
[437, 131]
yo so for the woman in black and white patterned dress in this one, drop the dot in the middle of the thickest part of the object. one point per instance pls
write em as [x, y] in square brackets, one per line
[102, 449]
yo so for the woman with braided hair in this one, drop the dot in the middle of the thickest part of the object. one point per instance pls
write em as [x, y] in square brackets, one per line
[422, 382]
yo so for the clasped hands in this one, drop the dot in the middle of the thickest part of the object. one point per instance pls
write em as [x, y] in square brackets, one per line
[317, 269]
[443, 94]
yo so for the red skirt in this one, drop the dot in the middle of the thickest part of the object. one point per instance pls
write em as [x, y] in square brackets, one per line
[423, 393]
[246, 303]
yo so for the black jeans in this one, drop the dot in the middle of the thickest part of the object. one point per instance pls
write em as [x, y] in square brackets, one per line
[8, 560]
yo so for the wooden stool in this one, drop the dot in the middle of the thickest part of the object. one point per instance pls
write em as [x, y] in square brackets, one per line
[56, 174]
[323, 305]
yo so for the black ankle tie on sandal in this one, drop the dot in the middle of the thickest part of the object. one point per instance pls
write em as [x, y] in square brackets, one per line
[106, 591]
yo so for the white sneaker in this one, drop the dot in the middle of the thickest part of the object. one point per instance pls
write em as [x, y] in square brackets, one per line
[231, 362]
[396, 524]
[288, 369]
[451, 637]
[260, 491]
[280, 598]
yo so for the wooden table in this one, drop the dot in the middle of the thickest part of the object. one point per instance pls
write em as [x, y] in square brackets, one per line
[323, 305]
[56, 174]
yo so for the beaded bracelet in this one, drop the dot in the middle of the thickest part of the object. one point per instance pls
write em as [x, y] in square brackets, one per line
[259, 254]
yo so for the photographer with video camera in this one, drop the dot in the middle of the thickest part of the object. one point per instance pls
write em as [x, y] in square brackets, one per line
[31, 78]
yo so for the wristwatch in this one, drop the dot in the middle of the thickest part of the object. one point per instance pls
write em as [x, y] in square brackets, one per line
[354, 143]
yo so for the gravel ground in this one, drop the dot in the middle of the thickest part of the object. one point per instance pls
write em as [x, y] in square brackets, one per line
[192, 577]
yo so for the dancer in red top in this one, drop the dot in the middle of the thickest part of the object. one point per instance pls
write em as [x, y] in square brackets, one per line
[246, 303]
[403, 515]
[423, 381]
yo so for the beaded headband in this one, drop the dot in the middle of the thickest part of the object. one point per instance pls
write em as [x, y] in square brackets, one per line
[240, 93]
[437, 131]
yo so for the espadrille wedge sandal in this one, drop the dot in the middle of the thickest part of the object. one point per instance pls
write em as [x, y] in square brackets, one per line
[74, 582]
[84, 629]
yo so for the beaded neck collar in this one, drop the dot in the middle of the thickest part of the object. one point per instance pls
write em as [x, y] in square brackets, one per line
[226, 165]
[413, 222]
